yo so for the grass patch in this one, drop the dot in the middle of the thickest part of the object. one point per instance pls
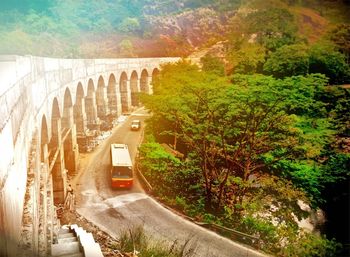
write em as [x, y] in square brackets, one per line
[134, 240]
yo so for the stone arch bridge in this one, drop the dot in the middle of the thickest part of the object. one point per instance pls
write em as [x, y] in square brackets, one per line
[45, 105]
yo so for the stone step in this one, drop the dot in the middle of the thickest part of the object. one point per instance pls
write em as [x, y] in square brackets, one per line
[64, 230]
[67, 240]
[92, 250]
[86, 239]
[72, 255]
[65, 249]
[66, 235]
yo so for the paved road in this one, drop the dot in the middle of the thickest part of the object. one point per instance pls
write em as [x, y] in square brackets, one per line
[117, 210]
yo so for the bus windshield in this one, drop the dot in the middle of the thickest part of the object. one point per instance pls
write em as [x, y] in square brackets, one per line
[121, 172]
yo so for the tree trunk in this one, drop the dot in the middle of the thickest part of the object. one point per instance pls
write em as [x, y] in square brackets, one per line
[221, 189]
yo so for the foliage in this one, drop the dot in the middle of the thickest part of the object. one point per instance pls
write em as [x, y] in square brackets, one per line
[340, 36]
[72, 23]
[256, 146]
[62, 28]
[336, 168]
[304, 175]
[326, 60]
[308, 244]
[337, 100]
[215, 120]
[135, 240]
[291, 60]
[126, 48]
[170, 177]
[249, 59]
[288, 60]
[271, 209]
[213, 65]
[341, 116]
[129, 25]
[299, 94]
[273, 26]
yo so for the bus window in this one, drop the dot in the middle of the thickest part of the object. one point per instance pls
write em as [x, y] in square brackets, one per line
[122, 172]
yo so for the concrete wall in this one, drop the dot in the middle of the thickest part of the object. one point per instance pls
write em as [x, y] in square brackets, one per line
[28, 87]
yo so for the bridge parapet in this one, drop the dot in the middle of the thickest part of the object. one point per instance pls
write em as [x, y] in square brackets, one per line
[19, 73]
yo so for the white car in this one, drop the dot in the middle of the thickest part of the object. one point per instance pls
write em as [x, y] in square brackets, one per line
[135, 125]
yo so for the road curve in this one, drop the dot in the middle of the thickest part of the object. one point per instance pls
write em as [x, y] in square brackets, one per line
[117, 210]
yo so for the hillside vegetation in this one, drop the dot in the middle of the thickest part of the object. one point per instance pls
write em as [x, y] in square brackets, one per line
[263, 124]
[107, 28]
[263, 129]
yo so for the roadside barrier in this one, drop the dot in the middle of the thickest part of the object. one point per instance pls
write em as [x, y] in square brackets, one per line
[143, 179]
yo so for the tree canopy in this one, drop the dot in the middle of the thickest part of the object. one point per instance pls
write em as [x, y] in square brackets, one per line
[253, 145]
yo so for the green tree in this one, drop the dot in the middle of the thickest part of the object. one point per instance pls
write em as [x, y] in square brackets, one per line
[248, 59]
[288, 60]
[326, 60]
[226, 128]
[340, 36]
[16, 42]
[339, 100]
[126, 48]
[274, 27]
[254, 146]
[213, 65]
[129, 25]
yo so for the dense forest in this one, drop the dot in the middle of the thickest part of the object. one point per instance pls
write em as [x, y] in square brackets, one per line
[262, 124]
[103, 28]
[264, 132]
[139, 28]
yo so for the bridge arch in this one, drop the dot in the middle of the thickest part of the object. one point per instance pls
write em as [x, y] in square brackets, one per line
[67, 109]
[44, 132]
[101, 98]
[144, 87]
[55, 110]
[68, 133]
[155, 74]
[112, 95]
[90, 105]
[79, 110]
[55, 154]
[134, 88]
[124, 92]
[44, 139]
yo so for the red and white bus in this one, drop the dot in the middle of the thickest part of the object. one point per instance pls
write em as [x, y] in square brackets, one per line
[121, 166]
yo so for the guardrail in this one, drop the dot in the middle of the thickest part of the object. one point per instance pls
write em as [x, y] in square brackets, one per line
[250, 240]
[143, 179]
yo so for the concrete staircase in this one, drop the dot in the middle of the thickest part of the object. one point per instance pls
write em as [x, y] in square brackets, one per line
[74, 241]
